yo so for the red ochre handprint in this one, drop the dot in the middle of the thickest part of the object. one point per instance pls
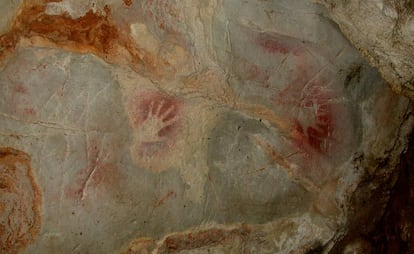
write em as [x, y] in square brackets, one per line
[155, 118]
[158, 121]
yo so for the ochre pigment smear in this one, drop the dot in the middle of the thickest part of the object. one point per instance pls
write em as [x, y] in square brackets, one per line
[20, 201]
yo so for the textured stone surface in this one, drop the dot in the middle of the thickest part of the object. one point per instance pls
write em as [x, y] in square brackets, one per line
[383, 31]
[195, 126]
[19, 201]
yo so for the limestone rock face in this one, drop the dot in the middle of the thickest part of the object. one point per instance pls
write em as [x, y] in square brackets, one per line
[19, 201]
[190, 127]
[383, 31]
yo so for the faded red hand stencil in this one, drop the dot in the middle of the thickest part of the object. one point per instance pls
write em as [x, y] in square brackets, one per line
[155, 118]
[311, 97]
[318, 131]
[302, 90]
[313, 104]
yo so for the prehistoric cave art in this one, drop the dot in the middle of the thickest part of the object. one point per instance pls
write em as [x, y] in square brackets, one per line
[302, 88]
[323, 128]
[20, 201]
[308, 105]
[156, 122]
[313, 98]
[186, 126]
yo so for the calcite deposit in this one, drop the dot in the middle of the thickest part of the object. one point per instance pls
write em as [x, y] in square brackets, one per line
[203, 126]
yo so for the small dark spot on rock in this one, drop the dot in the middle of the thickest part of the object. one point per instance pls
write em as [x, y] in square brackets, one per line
[354, 75]
[3, 185]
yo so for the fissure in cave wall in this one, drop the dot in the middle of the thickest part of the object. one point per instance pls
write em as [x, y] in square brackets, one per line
[189, 127]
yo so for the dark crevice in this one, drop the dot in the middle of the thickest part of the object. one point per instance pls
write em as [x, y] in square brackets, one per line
[395, 231]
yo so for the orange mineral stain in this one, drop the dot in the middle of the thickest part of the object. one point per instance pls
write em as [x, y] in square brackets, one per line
[20, 201]
[128, 2]
[95, 33]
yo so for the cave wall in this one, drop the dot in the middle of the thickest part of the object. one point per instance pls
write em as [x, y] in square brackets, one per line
[189, 127]
[383, 31]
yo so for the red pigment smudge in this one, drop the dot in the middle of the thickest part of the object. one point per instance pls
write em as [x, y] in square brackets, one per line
[275, 45]
[162, 26]
[20, 89]
[251, 71]
[21, 102]
[98, 174]
[167, 196]
[29, 111]
[162, 12]
[278, 47]
[166, 17]
[254, 72]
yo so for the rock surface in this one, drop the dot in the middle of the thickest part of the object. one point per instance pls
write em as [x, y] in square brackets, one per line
[383, 31]
[194, 126]
[19, 201]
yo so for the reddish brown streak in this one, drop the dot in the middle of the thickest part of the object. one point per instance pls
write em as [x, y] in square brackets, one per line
[160, 202]
[20, 89]
[29, 111]
[96, 174]
[274, 45]
[128, 2]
